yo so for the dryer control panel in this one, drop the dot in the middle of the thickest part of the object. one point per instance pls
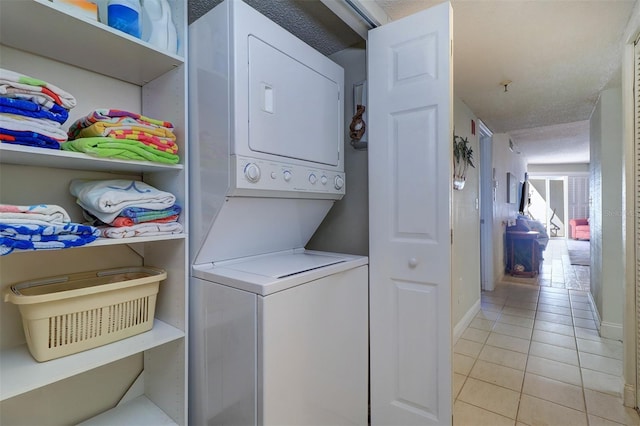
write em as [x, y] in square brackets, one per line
[259, 177]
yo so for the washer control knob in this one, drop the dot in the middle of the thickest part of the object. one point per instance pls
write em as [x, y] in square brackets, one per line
[274, 175]
[338, 182]
[252, 172]
[323, 180]
[313, 179]
[287, 175]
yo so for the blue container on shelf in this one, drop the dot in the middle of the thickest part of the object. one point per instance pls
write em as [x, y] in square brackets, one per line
[124, 15]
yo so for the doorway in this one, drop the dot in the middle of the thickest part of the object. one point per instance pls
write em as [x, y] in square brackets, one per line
[487, 196]
[548, 197]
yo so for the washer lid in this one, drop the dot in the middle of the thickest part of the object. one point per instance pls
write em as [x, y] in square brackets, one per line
[271, 273]
[281, 265]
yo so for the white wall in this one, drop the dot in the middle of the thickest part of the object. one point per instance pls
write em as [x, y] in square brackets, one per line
[465, 271]
[607, 260]
[346, 227]
[504, 161]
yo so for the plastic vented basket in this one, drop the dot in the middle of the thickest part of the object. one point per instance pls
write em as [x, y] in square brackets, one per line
[68, 314]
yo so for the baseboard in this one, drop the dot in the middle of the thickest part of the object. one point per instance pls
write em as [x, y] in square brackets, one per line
[594, 311]
[608, 330]
[462, 325]
[629, 396]
[611, 330]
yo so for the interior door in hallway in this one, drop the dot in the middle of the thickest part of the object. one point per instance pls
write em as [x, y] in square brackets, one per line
[410, 149]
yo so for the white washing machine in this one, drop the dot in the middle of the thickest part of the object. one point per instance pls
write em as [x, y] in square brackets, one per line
[277, 335]
[282, 339]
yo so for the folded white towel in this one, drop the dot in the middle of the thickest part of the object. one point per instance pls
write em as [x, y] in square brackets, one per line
[146, 229]
[105, 199]
[49, 213]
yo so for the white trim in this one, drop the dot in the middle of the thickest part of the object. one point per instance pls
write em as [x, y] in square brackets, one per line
[462, 325]
[629, 395]
[594, 310]
[606, 329]
[610, 330]
[487, 273]
[371, 10]
[349, 16]
[359, 15]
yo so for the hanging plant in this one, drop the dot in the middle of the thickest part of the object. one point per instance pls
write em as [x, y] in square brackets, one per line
[462, 159]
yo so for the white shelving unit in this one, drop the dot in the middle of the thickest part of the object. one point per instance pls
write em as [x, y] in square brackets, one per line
[141, 379]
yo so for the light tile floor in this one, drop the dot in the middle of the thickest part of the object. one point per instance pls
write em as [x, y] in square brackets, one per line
[533, 356]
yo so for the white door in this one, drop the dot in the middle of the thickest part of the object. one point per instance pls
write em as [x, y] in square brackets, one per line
[410, 148]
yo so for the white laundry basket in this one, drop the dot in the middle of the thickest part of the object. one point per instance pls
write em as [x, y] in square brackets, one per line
[68, 314]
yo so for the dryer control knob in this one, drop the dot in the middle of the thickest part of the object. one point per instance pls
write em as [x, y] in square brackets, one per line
[323, 179]
[252, 172]
[287, 175]
[313, 179]
[338, 182]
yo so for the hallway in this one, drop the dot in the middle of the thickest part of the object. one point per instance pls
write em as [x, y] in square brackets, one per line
[532, 355]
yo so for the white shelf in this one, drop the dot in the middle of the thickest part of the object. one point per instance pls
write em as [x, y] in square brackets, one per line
[133, 240]
[139, 411]
[39, 27]
[21, 373]
[42, 157]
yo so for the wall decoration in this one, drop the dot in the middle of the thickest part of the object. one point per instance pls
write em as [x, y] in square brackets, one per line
[462, 159]
[512, 188]
[358, 125]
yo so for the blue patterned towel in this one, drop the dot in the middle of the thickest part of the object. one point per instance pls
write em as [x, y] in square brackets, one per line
[140, 214]
[32, 109]
[28, 138]
[44, 237]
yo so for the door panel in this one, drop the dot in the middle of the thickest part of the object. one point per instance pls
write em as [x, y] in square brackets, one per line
[410, 126]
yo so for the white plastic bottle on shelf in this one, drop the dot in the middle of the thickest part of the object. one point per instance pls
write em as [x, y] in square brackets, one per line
[124, 15]
[157, 26]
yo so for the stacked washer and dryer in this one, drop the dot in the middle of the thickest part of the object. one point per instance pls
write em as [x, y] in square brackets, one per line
[278, 334]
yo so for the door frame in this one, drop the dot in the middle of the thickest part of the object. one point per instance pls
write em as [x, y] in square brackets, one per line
[487, 196]
[631, 321]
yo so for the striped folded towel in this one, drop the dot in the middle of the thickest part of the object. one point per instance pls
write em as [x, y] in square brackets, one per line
[13, 84]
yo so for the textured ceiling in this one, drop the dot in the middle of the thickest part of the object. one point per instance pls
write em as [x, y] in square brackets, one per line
[559, 55]
[309, 20]
[554, 144]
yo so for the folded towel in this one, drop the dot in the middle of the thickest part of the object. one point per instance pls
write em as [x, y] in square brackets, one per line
[28, 139]
[146, 229]
[117, 116]
[105, 199]
[32, 109]
[45, 212]
[156, 137]
[21, 123]
[119, 148]
[14, 83]
[44, 237]
[140, 214]
[126, 221]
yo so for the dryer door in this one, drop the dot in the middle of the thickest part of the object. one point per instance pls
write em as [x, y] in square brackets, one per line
[294, 111]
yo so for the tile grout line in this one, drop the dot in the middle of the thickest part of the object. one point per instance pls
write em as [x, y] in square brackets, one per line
[575, 338]
[526, 363]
